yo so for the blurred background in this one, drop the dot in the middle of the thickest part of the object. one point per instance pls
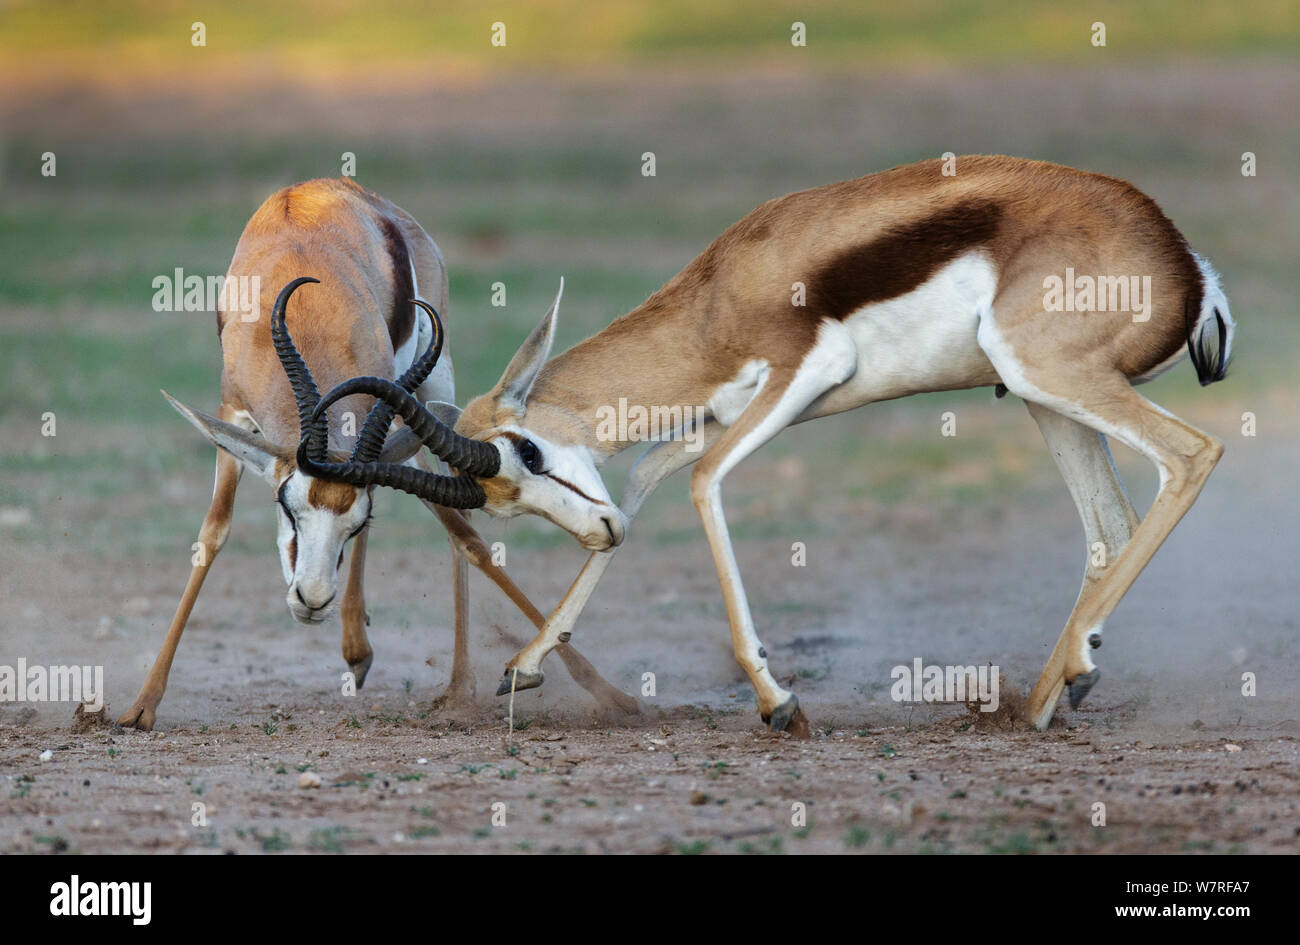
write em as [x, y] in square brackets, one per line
[523, 162]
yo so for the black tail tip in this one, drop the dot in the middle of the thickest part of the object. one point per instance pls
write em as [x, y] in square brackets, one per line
[1209, 360]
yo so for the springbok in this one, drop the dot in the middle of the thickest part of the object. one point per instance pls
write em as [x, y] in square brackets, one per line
[366, 319]
[911, 281]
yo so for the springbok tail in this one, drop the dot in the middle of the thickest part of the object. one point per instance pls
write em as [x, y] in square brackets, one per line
[1210, 331]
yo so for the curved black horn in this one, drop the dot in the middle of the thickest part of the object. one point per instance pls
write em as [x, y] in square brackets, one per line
[456, 492]
[306, 395]
[370, 441]
[473, 457]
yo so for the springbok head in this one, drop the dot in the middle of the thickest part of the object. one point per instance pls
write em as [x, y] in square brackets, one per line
[317, 517]
[509, 463]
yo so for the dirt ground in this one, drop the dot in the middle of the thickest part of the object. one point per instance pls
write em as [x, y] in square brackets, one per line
[1180, 759]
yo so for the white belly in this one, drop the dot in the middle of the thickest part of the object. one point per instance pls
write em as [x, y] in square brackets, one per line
[922, 341]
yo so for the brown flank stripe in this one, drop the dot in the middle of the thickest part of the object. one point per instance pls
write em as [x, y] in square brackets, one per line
[401, 318]
[900, 260]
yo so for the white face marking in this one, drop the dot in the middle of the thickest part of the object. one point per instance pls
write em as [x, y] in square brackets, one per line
[562, 486]
[311, 542]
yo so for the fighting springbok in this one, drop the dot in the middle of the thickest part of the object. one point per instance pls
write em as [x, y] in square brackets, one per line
[365, 319]
[911, 281]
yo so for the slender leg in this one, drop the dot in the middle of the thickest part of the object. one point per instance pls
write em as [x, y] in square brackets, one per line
[758, 424]
[356, 646]
[776, 406]
[462, 686]
[655, 465]
[1085, 463]
[1184, 457]
[471, 548]
[212, 536]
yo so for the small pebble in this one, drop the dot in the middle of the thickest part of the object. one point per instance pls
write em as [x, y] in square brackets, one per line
[46, 755]
[309, 779]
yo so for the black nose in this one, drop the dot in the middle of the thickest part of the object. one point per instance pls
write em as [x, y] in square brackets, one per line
[298, 591]
[609, 527]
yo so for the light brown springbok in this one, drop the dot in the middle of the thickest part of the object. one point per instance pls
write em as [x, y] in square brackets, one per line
[375, 260]
[1065, 288]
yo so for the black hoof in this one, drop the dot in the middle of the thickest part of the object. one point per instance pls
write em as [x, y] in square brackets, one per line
[1081, 686]
[360, 668]
[521, 682]
[782, 714]
[1094, 640]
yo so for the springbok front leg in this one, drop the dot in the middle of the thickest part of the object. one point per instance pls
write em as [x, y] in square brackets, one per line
[212, 536]
[1084, 460]
[830, 361]
[357, 652]
[471, 548]
[655, 465]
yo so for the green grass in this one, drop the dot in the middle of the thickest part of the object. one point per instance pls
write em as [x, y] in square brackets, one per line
[570, 33]
[527, 204]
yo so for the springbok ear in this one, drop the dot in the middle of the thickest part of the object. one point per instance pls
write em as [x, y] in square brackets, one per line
[249, 448]
[399, 447]
[447, 413]
[512, 390]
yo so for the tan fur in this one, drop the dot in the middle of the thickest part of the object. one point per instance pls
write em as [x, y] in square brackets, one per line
[333, 230]
[732, 303]
[499, 490]
[349, 324]
[336, 497]
[866, 241]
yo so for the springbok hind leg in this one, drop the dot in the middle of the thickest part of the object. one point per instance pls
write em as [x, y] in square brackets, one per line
[1085, 463]
[1184, 457]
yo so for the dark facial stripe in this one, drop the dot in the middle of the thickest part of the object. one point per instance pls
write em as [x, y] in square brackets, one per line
[401, 317]
[899, 260]
[572, 487]
[516, 438]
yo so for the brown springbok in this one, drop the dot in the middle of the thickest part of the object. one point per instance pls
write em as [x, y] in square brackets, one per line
[365, 318]
[898, 283]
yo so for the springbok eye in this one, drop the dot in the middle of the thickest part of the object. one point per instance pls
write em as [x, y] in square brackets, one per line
[279, 498]
[529, 455]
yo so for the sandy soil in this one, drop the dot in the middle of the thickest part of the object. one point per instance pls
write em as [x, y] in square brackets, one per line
[1180, 759]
